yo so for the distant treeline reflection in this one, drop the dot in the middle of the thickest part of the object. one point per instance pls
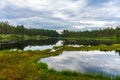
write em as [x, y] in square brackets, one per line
[89, 42]
[22, 44]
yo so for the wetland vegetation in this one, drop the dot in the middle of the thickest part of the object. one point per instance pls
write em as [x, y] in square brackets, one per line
[22, 65]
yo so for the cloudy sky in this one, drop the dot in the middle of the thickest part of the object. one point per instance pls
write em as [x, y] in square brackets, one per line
[61, 14]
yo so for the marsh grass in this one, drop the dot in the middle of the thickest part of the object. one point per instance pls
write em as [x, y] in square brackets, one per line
[22, 65]
[16, 37]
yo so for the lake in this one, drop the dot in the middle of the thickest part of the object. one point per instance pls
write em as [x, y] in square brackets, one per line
[48, 44]
[86, 62]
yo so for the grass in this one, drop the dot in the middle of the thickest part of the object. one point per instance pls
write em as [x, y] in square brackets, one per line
[22, 65]
[101, 47]
[13, 37]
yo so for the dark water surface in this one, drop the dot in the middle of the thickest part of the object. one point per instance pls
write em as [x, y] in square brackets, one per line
[31, 44]
[47, 44]
[86, 62]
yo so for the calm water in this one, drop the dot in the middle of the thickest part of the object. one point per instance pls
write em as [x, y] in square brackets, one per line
[43, 47]
[31, 44]
[86, 61]
[47, 44]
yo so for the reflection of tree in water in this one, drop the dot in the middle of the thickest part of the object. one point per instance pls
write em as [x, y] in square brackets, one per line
[117, 52]
[87, 42]
[22, 44]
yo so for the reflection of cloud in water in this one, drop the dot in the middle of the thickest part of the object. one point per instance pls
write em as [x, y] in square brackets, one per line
[38, 47]
[59, 43]
[86, 61]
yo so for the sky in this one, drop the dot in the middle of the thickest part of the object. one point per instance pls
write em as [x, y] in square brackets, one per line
[61, 14]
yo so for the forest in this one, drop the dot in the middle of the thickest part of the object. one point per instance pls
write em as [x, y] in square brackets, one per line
[6, 28]
[106, 32]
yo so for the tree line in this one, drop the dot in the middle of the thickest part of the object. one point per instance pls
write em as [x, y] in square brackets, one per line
[107, 32]
[6, 28]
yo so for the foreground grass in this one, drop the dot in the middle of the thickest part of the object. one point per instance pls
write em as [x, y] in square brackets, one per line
[22, 65]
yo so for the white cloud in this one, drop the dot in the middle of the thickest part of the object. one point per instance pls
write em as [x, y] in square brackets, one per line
[98, 23]
[46, 4]
[72, 13]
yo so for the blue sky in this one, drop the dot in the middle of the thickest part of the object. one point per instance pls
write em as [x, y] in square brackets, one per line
[61, 14]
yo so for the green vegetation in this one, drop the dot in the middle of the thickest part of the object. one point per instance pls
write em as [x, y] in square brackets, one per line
[102, 34]
[6, 28]
[14, 37]
[22, 65]
[101, 47]
[11, 32]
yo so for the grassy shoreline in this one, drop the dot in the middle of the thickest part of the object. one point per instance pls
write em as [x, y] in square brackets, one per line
[13, 37]
[16, 37]
[22, 65]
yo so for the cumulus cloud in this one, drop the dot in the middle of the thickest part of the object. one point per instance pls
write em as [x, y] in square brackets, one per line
[61, 14]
